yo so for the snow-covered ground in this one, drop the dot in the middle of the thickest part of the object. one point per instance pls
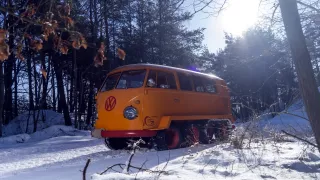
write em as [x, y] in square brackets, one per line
[64, 157]
[60, 152]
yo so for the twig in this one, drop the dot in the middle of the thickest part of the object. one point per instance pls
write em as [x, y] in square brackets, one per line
[273, 14]
[126, 167]
[306, 141]
[165, 166]
[131, 166]
[85, 169]
[196, 11]
[134, 146]
[309, 6]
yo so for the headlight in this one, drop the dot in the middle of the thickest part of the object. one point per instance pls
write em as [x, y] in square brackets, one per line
[130, 112]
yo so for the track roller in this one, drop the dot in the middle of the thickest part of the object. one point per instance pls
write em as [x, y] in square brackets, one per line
[168, 139]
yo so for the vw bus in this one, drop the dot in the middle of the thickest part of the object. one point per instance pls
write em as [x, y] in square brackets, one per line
[166, 106]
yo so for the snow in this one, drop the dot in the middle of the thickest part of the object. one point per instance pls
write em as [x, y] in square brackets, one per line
[20, 138]
[64, 157]
[293, 120]
[46, 118]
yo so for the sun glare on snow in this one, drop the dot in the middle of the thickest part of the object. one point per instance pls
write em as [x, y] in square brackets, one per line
[239, 15]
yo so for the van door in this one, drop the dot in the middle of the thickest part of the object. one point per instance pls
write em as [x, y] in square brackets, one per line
[187, 106]
[161, 95]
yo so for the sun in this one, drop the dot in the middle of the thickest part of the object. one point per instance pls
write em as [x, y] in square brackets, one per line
[239, 15]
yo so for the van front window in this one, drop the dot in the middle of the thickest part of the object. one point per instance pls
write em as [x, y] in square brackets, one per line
[111, 82]
[131, 79]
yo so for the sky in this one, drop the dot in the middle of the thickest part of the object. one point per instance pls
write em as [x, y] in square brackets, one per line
[237, 16]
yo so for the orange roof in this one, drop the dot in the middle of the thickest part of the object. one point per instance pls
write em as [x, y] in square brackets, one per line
[156, 66]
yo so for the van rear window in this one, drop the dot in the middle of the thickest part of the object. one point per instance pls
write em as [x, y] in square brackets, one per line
[131, 79]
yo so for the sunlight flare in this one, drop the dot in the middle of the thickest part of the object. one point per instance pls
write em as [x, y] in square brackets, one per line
[238, 16]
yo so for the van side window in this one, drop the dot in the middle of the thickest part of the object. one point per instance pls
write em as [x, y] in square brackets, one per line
[166, 80]
[171, 81]
[110, 82]
[152, 79]
[210, 85]
[185, 82]
[159, 79]
[198, 84]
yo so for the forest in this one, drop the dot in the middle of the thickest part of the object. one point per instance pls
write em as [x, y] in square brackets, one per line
[55, 54]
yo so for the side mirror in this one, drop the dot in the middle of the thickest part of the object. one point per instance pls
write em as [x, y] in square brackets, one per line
[151, 83]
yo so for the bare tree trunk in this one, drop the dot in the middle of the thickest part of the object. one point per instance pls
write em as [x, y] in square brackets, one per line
[302, 60]
[72, 83]
[31, 102]
[90, 103]
[8, 81]
[1, 97]
[54, 103]
[15, 111]
[43, 101]
[62, 97]
[36, 94]
[58, 96]
[106, 23]
[160, 60]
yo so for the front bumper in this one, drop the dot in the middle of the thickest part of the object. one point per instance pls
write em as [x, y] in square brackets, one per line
[101, 133]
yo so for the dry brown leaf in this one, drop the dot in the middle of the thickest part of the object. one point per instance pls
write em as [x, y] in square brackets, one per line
[45, 36]
[3, 34]
[4, 51]
[26, 35]
[83, 43]
[121, 54]
[99, 58]
[54, 24]
[19, 52]
[67, 9]
[76, 44]
[30, 11]
[68, 21]
[98, 61]
[36, 45]
[44, 73]
[64, 49]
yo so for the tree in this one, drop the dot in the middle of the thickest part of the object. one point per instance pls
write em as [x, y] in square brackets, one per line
[1, 97]
[302, 60]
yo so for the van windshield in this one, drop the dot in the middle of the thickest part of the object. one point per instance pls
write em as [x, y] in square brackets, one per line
[131, 79]
[111, 81]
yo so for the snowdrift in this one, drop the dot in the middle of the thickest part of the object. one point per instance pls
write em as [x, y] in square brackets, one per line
[294, 120]
[52, 131]
[24, 123]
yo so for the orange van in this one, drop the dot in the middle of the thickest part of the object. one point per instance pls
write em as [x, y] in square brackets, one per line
[166, 106]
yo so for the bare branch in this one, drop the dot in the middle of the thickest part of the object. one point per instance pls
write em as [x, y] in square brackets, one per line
[203, 7]
[85, 169]
[306, 141]
[273, 14]
[309, 6]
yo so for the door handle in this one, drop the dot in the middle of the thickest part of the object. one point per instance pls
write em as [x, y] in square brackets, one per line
[176, 100]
